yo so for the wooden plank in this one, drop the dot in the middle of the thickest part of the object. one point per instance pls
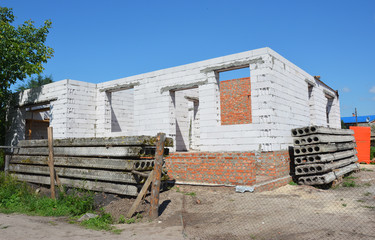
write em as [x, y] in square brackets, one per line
[87, 162]
[84, 151]
[140, 196]
[129, 190]
[123, 177]
[156, 181]
[50, 162]
[115, 141]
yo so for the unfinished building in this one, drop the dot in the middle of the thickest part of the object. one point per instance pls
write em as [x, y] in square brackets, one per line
[226, 131]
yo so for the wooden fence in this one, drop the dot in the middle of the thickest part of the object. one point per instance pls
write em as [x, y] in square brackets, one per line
[117, 165]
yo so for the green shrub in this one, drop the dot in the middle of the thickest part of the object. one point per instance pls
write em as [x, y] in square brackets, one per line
[372, 153]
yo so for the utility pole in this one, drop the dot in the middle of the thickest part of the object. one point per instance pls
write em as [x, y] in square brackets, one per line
[356, 117]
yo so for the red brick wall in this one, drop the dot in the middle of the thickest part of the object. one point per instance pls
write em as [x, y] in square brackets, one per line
[235, 101]
[229, 168]
[273, 164]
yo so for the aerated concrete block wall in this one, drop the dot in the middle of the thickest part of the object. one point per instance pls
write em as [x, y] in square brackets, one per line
[279, 102]
[54, 94]
[80, 109]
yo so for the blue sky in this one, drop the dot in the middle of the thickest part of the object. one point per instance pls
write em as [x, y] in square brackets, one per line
[97, 41]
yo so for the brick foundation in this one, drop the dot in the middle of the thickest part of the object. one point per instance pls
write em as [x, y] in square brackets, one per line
[235, 101]
[273, 164]
[229, 168]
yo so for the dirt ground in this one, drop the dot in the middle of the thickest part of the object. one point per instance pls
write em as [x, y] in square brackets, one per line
[191, 212]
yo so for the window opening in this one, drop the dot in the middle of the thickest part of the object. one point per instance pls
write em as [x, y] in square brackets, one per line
[235, 96]
[185, 119]
[328, 109]
[37, 121]
[122, 111]
[311, 102]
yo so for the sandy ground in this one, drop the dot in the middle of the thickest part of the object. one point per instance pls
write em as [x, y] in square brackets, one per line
[187, 212]
[21, 227]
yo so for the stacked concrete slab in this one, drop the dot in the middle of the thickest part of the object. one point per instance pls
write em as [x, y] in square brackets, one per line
[323, 154]
[115, 165]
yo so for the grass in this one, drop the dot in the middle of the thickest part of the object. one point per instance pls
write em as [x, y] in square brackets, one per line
[370, 207]
[367, 194]
[372, 153]
[18, 197]
[350, 177]
[349, 183]
[193, 194]
[366, 170]
[292, 183]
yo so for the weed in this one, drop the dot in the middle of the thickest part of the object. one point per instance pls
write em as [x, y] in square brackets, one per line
[367, 170]
[367, 184]
[121, 219]
[360, 200]
[370, 207]
[344, 205]
[193, 194]
[102, 222]
[137, 218]
[130, 220]
[350, 183]
[350, 177]
[367, 194]
[292, 183]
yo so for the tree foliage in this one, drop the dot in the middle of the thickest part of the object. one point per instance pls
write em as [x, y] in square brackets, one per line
[35, 82]
[22, 54]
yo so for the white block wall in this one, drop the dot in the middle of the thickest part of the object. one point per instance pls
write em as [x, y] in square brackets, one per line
[80, 109]
[55, 94]
[279, 102]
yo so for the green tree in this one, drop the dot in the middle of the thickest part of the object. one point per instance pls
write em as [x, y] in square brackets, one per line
[35, 82]
[22, 54]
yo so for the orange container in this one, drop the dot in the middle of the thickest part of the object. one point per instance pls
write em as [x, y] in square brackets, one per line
[362, 137]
